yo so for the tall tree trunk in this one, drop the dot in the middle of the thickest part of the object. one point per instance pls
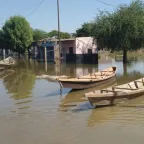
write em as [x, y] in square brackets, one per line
[124, 56]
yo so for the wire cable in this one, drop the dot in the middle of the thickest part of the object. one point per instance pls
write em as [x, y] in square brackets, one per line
[105, 3]
[35, 8]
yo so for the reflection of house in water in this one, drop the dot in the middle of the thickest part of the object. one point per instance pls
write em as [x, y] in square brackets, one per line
[79, 70]
[73, 50]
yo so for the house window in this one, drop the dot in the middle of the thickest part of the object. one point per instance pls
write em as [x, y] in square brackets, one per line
[70, 50]
[89, 51]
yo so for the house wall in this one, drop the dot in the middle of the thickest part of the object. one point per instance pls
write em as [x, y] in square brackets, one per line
[85, 43]
[38, 51]
[65, 45]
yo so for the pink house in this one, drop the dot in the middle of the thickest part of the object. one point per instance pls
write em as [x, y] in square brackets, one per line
[79, 50]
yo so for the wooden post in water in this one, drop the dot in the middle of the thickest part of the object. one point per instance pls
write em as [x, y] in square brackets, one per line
[57, 61]
[45, 58]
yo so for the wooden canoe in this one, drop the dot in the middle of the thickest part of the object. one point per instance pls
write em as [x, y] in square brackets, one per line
[88, 81]
[116, 94]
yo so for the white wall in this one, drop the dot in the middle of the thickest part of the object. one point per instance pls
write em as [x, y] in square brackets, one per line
[85, 43]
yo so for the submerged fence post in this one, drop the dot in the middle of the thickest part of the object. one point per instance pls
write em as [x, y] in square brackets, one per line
[45, 58]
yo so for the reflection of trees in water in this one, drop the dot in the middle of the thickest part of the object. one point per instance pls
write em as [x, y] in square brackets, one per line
[125, 67]
[101, 115]
[123, 115]
[75, 70]
[127, 77]
[74, 97]
[20, 83]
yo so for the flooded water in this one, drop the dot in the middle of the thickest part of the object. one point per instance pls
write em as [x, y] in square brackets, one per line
[33, 111]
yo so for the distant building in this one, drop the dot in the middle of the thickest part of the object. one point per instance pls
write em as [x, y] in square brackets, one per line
[73, 50]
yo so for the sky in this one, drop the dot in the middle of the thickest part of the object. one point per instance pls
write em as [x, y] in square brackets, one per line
[73, 13]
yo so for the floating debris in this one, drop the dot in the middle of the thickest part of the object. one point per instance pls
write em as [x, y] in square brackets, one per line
[50, 77]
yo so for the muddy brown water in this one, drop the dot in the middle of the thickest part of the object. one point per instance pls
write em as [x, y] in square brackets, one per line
[32, 111]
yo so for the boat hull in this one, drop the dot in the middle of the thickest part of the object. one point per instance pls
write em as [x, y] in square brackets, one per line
[84, 85]
[116, 94]
[113, 100]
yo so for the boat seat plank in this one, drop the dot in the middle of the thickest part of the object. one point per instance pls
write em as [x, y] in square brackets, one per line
[122, 88]
[106, 90]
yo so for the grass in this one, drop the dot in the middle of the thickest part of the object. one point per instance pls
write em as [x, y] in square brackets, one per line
[130, 54]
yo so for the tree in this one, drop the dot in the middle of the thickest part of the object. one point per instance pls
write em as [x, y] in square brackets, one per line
[39, 34]
[63, 35]
[85, 30]
[73, 35]
[18, 34]
[2, 43]
[121, 30]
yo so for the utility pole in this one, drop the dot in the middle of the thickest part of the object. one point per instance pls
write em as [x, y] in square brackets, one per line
[59, 46]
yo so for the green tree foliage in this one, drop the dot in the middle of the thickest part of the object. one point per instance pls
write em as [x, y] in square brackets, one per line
[63, 35]
[85, 30]
[17, 34]
[73, 35]
[121, 30]
[2, 42]
[39, 34]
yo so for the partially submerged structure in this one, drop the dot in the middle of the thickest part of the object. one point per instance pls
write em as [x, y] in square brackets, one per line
[73, 50]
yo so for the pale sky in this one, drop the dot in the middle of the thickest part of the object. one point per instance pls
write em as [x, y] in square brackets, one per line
[73, 13]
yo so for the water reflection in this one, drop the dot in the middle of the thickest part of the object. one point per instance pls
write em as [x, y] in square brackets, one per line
[74, 97]
[129, 113]
[33, 106]
[20, 84]
[101, 115]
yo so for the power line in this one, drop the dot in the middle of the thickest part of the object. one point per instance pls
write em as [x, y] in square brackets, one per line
[105, 3]
[35, 8]
[28, 14]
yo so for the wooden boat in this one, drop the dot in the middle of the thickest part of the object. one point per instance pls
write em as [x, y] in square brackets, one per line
[7, 62]
[116, 94]
[88, 81]
[75, 97]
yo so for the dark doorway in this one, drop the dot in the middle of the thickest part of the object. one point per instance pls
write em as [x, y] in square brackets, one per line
[70, 50]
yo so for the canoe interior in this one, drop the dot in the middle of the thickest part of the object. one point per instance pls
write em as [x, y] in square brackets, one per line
[116, 94]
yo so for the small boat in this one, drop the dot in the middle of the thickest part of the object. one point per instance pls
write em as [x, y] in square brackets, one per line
[75, 97]
[116, 94]
[88, 81]
[7, 62]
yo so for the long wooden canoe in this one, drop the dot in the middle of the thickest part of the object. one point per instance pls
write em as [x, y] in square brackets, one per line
[89, 80]
[116, 94]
